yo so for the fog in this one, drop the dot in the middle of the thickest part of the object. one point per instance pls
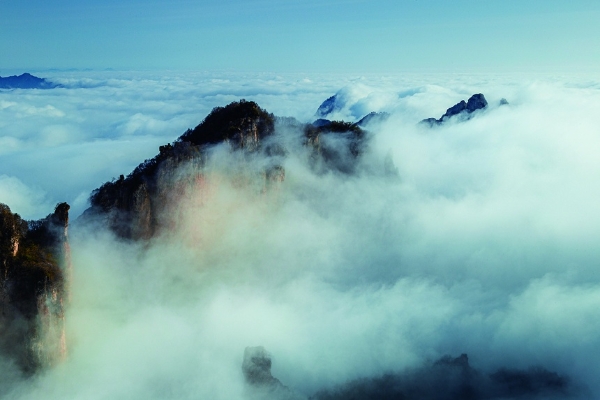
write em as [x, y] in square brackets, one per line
[477, 237]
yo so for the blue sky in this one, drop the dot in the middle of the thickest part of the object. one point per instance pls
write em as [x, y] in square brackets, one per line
[292, 35]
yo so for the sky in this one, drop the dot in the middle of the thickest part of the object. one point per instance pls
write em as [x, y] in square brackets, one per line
[300, 36]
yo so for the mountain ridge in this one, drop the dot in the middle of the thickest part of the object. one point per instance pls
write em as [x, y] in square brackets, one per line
[26, 81]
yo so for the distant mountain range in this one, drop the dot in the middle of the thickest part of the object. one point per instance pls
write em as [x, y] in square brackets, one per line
[26, 81]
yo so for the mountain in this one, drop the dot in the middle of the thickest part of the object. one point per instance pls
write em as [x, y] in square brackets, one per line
[448, 378]
[453, 378]
[373, 117]
[133, 206]
[34, 267]
[461, 110]
[328, 106]
[25, 81]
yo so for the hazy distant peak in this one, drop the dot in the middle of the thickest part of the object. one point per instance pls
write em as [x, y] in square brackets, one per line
[25, 81]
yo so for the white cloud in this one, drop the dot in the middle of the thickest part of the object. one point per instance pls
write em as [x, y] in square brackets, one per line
[30, 203]
[485, 242]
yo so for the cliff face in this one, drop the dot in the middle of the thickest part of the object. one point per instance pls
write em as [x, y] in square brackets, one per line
[134, 207]
[34, 269]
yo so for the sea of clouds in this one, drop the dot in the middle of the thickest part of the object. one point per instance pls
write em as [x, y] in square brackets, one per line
[477, 237]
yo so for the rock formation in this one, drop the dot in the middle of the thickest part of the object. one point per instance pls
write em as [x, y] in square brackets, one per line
[134, 206]
[335, 145]
[34, 269]
[131, 206]
[256, 368]
[462, 110]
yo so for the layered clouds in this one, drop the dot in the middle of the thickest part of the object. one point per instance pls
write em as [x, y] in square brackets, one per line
[477, 237]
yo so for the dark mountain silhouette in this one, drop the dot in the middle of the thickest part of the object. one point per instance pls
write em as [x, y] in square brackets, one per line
[462, 110]
[452, 378]
[328, 106]
[25, 81]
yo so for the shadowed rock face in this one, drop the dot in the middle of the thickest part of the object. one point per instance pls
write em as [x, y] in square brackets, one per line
[33, 258]
[461, 110]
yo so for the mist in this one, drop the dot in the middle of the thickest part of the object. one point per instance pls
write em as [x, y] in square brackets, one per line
[477, 237]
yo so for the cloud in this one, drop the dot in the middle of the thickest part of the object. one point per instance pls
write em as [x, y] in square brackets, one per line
[30, 203]
[484, 242]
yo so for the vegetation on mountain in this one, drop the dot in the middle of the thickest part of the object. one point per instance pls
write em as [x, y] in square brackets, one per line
[130, 203]
[239, 123]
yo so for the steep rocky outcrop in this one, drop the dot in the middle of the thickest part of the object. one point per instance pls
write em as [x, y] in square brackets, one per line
[261, 384]
[133, 207]
[257, 367]
[461, 110]
[25, 81]
[34, 269]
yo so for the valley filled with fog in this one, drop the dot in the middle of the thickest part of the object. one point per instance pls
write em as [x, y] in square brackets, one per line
[476, 237]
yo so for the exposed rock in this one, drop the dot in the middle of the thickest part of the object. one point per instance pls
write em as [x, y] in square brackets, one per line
[335, 146]
[476, 102]
[462, 110]
[34, 263]
[25, 81]
[256, 368]
[134, 206]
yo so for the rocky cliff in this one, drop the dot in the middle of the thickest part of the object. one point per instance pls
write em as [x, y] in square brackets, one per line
[135, 207]
[34, 269]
